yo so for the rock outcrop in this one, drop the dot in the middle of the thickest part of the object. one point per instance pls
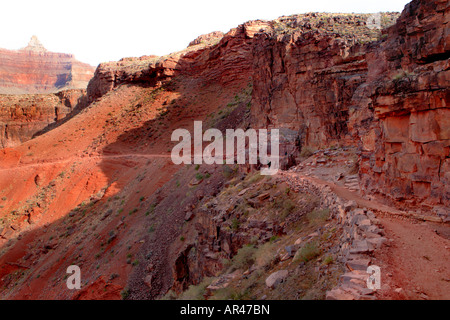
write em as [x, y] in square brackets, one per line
[22, 116]
[33, 70]
[227, 61]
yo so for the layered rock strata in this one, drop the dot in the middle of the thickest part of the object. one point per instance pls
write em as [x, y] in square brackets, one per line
[33, 70]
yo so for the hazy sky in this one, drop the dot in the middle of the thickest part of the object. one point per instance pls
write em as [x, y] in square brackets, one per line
[97, 30]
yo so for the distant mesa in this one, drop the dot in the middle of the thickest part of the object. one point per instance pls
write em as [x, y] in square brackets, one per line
[34, 69]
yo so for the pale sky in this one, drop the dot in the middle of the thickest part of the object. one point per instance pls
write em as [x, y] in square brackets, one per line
[98, 31]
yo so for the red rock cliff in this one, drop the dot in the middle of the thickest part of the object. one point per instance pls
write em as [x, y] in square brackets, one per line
[403, 116]
[33, 69]
[22, 116]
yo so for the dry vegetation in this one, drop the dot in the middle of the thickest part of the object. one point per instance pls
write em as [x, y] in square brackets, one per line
[351, 26]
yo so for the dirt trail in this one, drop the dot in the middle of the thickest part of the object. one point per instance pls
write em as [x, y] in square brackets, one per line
[86, 158]
[415, 261]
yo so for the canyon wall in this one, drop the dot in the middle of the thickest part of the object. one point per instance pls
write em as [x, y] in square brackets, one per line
[332, 79]
[22, 116]
[405, 149]
[33, 69]
[390, 97]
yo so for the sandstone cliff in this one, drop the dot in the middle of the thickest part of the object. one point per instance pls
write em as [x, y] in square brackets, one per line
[402, 114]
[33, 69]
[22, 116]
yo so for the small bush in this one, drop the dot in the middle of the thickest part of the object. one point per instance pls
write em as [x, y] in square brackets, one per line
[196, 292]
[125, 293]
[306, 152]
[266, 255]
[288, 207]
[317, 216]
[235, 224]
[244, 258]
[229, 172]
[254, 179]
[308, 252]
[328, 260]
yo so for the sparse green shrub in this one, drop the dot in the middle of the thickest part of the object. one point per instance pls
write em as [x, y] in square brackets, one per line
[318, 216]
[196, 292]
[306, 152]
[288, 207]
[229, 172]
[273, 239]
[328, 260]
[244, 258]
[252, 179]
[125, 293]
[199, 176]
[266, 255]
[235, 224]
[308, 252]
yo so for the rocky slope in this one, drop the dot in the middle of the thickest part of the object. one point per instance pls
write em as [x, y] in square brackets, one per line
[101, 191]
[33, 69]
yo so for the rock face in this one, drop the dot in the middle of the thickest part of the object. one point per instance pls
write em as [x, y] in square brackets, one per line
[407, 100]
[391, 97]
[22, 116]
[227, 61]
[33, 69]
[304, 82]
